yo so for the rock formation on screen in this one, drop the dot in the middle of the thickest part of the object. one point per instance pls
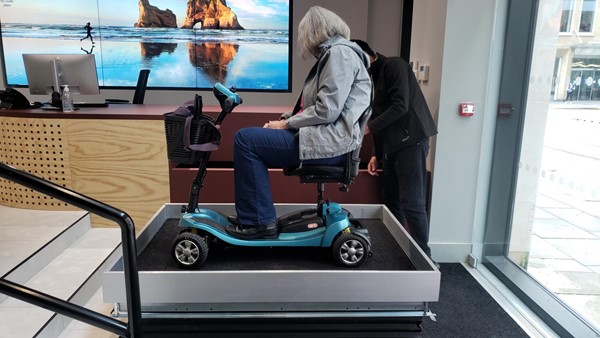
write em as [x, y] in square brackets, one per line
[213, 58]
[212, 14]
[152, 16]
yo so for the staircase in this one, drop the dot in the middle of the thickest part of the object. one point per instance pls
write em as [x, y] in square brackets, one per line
[60, 254]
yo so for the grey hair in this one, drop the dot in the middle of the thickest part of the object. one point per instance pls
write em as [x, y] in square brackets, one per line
[317, 26]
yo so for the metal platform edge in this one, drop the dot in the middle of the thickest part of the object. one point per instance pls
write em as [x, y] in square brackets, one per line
[282, 292]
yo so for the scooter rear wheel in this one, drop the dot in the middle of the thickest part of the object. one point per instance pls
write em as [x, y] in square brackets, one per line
[189, 250]
[350, 250]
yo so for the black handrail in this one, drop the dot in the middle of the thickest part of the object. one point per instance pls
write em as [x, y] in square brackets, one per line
[132, 284]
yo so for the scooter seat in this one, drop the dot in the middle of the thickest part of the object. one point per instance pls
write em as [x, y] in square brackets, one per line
[343, 174]
[317, 173]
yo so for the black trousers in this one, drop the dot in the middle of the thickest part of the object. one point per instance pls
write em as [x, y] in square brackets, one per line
[405, 189]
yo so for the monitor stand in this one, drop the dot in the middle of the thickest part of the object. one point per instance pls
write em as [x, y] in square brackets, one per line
[56, 101]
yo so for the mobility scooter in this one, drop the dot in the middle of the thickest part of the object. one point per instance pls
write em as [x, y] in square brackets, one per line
[192, 138]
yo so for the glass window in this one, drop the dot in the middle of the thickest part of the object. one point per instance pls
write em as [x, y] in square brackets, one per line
[565, 19]
[542, 235]
[587, 16]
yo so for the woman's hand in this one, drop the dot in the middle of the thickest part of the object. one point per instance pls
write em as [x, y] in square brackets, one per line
[372, 166]
[281, 124]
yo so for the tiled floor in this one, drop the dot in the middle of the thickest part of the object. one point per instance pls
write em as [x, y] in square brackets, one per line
[565, 238]
[565, 252]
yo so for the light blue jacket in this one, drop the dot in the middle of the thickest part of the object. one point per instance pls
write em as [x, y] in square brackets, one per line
[336, 102]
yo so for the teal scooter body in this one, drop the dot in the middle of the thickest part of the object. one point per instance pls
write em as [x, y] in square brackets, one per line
[214, 223]
[327, 225]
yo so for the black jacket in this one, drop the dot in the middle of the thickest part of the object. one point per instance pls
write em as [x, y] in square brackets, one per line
[400, 113]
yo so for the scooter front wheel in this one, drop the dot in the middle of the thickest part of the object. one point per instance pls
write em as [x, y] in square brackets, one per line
[350, 250]
[189, 250]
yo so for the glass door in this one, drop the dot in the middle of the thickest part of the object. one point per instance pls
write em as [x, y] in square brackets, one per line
[542, 236]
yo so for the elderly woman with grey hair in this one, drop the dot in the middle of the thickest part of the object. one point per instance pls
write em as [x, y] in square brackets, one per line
[327, 122]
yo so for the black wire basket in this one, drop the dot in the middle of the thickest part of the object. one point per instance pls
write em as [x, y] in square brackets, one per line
[202, 131]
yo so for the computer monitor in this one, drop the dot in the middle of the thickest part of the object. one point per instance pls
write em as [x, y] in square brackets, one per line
[48, 73]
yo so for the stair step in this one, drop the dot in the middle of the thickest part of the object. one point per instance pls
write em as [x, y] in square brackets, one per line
[75, 275]
[30, 239]
[77, 329]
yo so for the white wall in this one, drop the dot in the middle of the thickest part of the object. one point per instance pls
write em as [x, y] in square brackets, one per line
[384, 26]
[427, 46]
[471, 62]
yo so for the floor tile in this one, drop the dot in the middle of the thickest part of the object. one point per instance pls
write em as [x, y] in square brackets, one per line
[552, 280]
[542, 249]
[547, 202]
[77, 329]
[580, 283]
[578, 218]
[558, 228]
[24, 321]
[14, 252]
[556, 265]
[585, 251]
[43, 233]
[542, 213]
[592, 208]
[17, 216]
[75, 266]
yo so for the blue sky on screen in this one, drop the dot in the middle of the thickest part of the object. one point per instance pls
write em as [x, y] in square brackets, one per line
[252, 14]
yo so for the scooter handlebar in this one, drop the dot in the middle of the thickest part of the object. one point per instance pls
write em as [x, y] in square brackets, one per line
[223, 93]
[228, 100]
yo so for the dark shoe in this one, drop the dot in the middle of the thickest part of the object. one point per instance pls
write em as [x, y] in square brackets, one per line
[252, 231]
[233, 220]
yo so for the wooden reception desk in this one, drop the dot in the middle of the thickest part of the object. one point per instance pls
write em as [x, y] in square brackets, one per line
[117, 155]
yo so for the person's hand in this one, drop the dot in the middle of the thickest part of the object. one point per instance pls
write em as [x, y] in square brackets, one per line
[372, 166]
[367, 130]
[281, 124]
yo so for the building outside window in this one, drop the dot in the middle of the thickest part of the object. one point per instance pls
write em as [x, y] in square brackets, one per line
[587, 16]
[577, 64]
[567, 14]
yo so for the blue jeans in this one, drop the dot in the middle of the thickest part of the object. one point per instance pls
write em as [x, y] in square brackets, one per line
[254, 151]
[405, 189]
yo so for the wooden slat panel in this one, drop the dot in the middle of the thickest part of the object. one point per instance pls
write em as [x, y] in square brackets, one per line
[121, 163]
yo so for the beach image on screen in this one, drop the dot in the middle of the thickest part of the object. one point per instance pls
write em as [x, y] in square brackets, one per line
[185, 43]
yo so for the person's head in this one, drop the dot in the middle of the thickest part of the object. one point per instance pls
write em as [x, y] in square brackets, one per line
[366, 48]
[317, 26]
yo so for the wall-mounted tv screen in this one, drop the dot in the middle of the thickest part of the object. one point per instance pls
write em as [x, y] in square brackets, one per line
[187, 44]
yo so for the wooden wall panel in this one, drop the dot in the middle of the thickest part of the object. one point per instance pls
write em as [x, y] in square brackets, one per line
[40, 147]
[121, 163]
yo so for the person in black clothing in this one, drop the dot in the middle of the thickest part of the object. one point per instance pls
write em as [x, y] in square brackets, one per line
[88, 29]
[401, 125]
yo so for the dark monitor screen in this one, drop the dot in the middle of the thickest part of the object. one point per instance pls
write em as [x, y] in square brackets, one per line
[46, 71]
